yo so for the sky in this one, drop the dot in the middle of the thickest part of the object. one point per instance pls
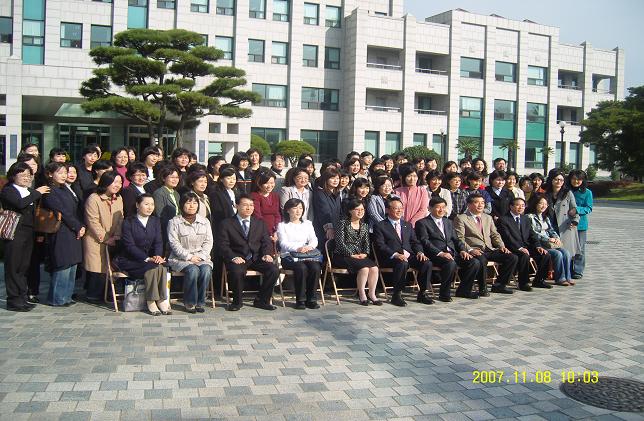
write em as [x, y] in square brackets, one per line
[604, 24]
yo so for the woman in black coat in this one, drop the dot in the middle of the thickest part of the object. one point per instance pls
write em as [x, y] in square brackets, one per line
[64, 247]
[137, 175]
[141, 254]
[327, 205]
[19, 197]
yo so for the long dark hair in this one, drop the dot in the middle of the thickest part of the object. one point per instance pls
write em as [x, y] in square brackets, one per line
[581, 175]
[51, 168]
[290, 204]
[106, 180]
[547, 186]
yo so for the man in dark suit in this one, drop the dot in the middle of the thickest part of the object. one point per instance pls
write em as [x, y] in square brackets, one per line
[397, 247]
[523, 242]
[245, 244]
[437, 235]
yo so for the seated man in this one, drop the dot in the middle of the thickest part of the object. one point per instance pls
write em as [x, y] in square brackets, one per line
[477, 231]
[437, 235]
[245, 244]
[395, 243]
[524, 243]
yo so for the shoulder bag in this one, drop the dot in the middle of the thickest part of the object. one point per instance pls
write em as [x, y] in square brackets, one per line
[46, 220]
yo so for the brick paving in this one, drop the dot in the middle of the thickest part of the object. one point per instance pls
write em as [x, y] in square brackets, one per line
[342, 362]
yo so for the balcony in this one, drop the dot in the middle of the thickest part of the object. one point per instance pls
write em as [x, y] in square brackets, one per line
[429, 112]
[382, 108]
[431, 71]
[384, 58]
[384, 66]
[570, 80]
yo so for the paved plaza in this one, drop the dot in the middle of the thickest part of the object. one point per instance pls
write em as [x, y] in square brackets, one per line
[339, 362]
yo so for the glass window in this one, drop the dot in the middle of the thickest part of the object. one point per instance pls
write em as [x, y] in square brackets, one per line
[6, 29]
[536, 113]
[226, 7]
[279, 54]
[471, 107]
[3, 119]
[214, 127]
[166, 4]
[437, 145]
[333, 17]
[3, 99]
[137, 14]
[280, 10]
[311, 13]
[225, 44]
[256, 50]
[33, 32]
[320, 99]
[505, 72]
[199, 6]
[271, 135]
[310, 56]
[33, 9]
[534, 153]
[420, 139]
[574, 155]
[537, 76]
[325, 143]
[331, 58]
[372, 142]
[592, 155]
[257, 9]
[504, 110]
[471, 68]
[272, 95]
[71, 35]
[392, 143]
[101, 36]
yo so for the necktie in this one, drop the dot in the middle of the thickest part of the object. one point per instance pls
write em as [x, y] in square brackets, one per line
[398, 230]
[518, 219]
[479, 223]
[245, 225]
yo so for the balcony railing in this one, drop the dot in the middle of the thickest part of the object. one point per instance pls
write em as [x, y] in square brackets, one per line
[602, 91]
[570, 123]
[384, 66]
[431, 71]
[430, 112]
[573, 87]
[383, 109]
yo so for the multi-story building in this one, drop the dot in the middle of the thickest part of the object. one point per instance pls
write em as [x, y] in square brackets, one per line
[340, 74]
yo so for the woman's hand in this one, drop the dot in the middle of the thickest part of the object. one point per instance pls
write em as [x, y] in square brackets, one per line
[80, 233]
[359, 256]
[304, 249]
[43, 189]
[274, 237]
[157, 260]
[330, 234]
[111, 241]
[195, 259]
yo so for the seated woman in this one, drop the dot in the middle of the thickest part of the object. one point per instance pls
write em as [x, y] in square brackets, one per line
[190, 240]
[142, 254]
[298, 235]
[352, 249]
[537, 211]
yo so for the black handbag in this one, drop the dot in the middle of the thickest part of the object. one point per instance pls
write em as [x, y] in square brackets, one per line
[314, 255]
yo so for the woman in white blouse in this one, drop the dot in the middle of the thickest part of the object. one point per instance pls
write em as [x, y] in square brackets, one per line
[296, 235]
[298, 187]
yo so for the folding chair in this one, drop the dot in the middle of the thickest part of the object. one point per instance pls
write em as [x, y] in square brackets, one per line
[225, 290]
[382, 270]
[210, 289]
[287, 272]
[330, 270]
[112, 278]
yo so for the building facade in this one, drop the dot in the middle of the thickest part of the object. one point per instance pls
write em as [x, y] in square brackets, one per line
[340, 74]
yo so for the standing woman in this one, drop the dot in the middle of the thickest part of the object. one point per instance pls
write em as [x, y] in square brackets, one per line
[98, 169]
[142, 254]
[244, 174]
[298, 188]
[223, 199]
[90, 155]
[120, 158]
[103, 219]
[267, 201]
[131, 154]
[352, 248]
[72, 186]
[166, 198]
[352, 166]
[197, 182]
[479, 164]
[64, 247]
[180, 158]
[376, 208]
[137, 175]
[434, 189]
[18, 196]
[578, 180]
[297, 235]
[150, 157]
[415, 199]
[255, 160]
[327, 202]
[214, 163]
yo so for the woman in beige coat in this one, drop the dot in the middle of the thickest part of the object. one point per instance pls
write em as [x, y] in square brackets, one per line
[103, 218]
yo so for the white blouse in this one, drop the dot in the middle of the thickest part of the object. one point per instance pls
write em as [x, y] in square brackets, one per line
[293, 236]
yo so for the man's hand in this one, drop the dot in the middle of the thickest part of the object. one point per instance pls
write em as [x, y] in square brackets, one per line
[524, 251]
[268, 258]
[330, 234]
[421, 257]
[505, 250]
[465, 255]
[541, 250]
[400, 256]
[445, 255]
[238, 261]
[476, 252]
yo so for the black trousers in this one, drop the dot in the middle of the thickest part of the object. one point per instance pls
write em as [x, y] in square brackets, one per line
[37, 257]
[523, 267]
[468, 270]
[307, 277]
[401, 267]
[507, 264]
[17, 255]
[237, 277]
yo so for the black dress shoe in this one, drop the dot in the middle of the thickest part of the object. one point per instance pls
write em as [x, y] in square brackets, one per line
[470, 295]
[577, 276]
[33, 299]
[501, 289]
[192, 310]
[398, 300]
[526, 288]
[364, 302]
[20, 309]
[30, 306]
[200, 309]
[300, 305]
[484, 293]
[425, 298]
[542, 284]
[263, 305]
[233, 307]
[313, 305]
[445, 299]
[375, 302]
[69, 304]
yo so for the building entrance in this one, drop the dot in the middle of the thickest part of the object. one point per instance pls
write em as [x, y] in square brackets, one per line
[74, 137]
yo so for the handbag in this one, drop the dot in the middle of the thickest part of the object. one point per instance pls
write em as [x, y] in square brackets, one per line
[134, 298]
[314, 255]
[8, 223]
[46, 220]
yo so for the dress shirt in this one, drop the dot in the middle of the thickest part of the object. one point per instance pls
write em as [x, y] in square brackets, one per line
[497, 191]
[143, 219]
[293, 236]
[398, 227]
[140, 189]
[231, 194]
[24, 191]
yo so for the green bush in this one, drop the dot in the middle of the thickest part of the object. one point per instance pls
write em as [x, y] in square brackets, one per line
[422, 152]
[260, 143]
[292, 149]
[591, 172]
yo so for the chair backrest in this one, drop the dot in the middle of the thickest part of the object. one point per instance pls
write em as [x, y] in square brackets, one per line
[329, 245]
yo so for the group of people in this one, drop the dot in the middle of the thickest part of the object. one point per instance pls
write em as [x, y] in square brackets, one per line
[148, 216]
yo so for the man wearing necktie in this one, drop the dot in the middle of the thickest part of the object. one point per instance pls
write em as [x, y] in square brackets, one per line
[395, 243]
[524, 243]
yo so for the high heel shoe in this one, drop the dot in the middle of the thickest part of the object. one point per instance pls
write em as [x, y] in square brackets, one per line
[375, 302]
[364, 302]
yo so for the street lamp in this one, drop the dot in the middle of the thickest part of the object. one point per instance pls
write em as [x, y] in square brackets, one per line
[562, 159]
[443, 145]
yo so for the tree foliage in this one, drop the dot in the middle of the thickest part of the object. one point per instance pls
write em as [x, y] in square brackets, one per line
[616, 128]
[469, 146]
[422, 152]
[164, 78]
[292, 149]
[260, 143]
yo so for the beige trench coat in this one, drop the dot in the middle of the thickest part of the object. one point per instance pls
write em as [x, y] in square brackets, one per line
[103, 220]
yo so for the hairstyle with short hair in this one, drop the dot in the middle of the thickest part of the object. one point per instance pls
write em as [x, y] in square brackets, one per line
[90, 149]
[475, 160]
[116, 152]
[536, 175]
[433, 174]
[101, 164]
[511, 173]
[449, 164]
[139, 198]
[473, 176]
[581, 175]
[497, 174]
[350, 204]
[290, 204]
[262, 177]
[150, 150]
[328, 174]
[497, 160]
[436, 200]
[405, 170]
[380, 181]
[51, 168]
[106, 180]
[15, 169]
[238, 158]
[179, 152]
[243, 196]
[534, 201]
[392, 199]
[252, 151]
[135, 167]
[515, 199]
[212, 161]
[276, 155]
[168, 170]
[357, 183]
[473, 196]
[187, 197]
[225, 171]
[464, 161]
[194, 176]
[56, 151]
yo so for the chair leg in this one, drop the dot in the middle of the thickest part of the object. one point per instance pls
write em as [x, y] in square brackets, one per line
[282, 294]
[322, 291]
[382, 283]
[224, 285]
[212, 292]
[335, 289]
[116, 304]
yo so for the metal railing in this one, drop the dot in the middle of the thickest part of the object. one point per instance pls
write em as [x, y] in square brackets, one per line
[431, 71]
[570, 123]
[573, 87]
[384, 66]
[430, 112]
[602, 91]
[383, 109]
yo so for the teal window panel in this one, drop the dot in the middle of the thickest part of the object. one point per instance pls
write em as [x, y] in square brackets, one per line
[34, 9]
[497, 152]
[504, 129]
[32, 54]
[469, 127]
[137, 17]
[533, 154]
[372, 142]
[535, 131]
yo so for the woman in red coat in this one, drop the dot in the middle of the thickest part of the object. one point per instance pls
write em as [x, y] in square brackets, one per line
[267, 202]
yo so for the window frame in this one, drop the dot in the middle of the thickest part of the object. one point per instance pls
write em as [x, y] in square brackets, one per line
[228, 54]
[164, 4]
[333, 23]
[327, 61]
[462, 111]
[308, 20]
[501, 77]
[468, 73]
[534, 81]
[306, 61]
[266, 101]
[257, 14]
[225, 10]
[324, 96]
[282, 60]
[71, 40]
[282, 17]
[94, 44]
[536, 118]
[254, 56]
[199, 7]
[6, 37]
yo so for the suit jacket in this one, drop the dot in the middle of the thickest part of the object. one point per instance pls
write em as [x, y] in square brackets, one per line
[433, 240]
[221, 208]
[129, 195]
[232, 242]
[500, 202]
[11, 200]
[469, 233]
[64, 249]
[328, 208]
[386, 240]
[517, 236]
[139, 242]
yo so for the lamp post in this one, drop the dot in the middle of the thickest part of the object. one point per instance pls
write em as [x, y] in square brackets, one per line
[562, 158]
[443, 145]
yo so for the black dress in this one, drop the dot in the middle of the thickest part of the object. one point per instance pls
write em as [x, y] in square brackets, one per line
[349, 241]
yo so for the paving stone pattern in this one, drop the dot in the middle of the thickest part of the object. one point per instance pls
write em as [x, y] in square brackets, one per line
[342, 362]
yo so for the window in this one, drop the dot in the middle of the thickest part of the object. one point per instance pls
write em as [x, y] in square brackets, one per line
[420, 139]
[471, 107]
[536, 113]
[320, 99]
[279, 53]
[372, 142]
[214, 127]
[71, 35]
[592, 155]
[232, 128]
[392, 143]
[505, 72]
[6, 29]
[3, 99]
[199, 6]
[271, 135]
[504, 110]
[280, 10]
[331, 58]
[325, 143]
[257, 9]
[137, 14]
[310, 56]
[101, 36]
[333, 17]
[226, 7]
[437, 145]
[534, 153]
[504, 121]
[272, 95]
[311, 13]
[256, 50]
[3, 147]
[225, 44]
[574, 155]
[537, 76]
[3, 119]
[166, 4]
[471, 68]
[34, 10]
[33, 41]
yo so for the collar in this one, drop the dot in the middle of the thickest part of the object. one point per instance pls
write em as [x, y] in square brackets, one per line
[497, 191]
[240, 219]
[24, 191]
[392, 222]
[470, 214]
[436, 219]
[514, 216]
